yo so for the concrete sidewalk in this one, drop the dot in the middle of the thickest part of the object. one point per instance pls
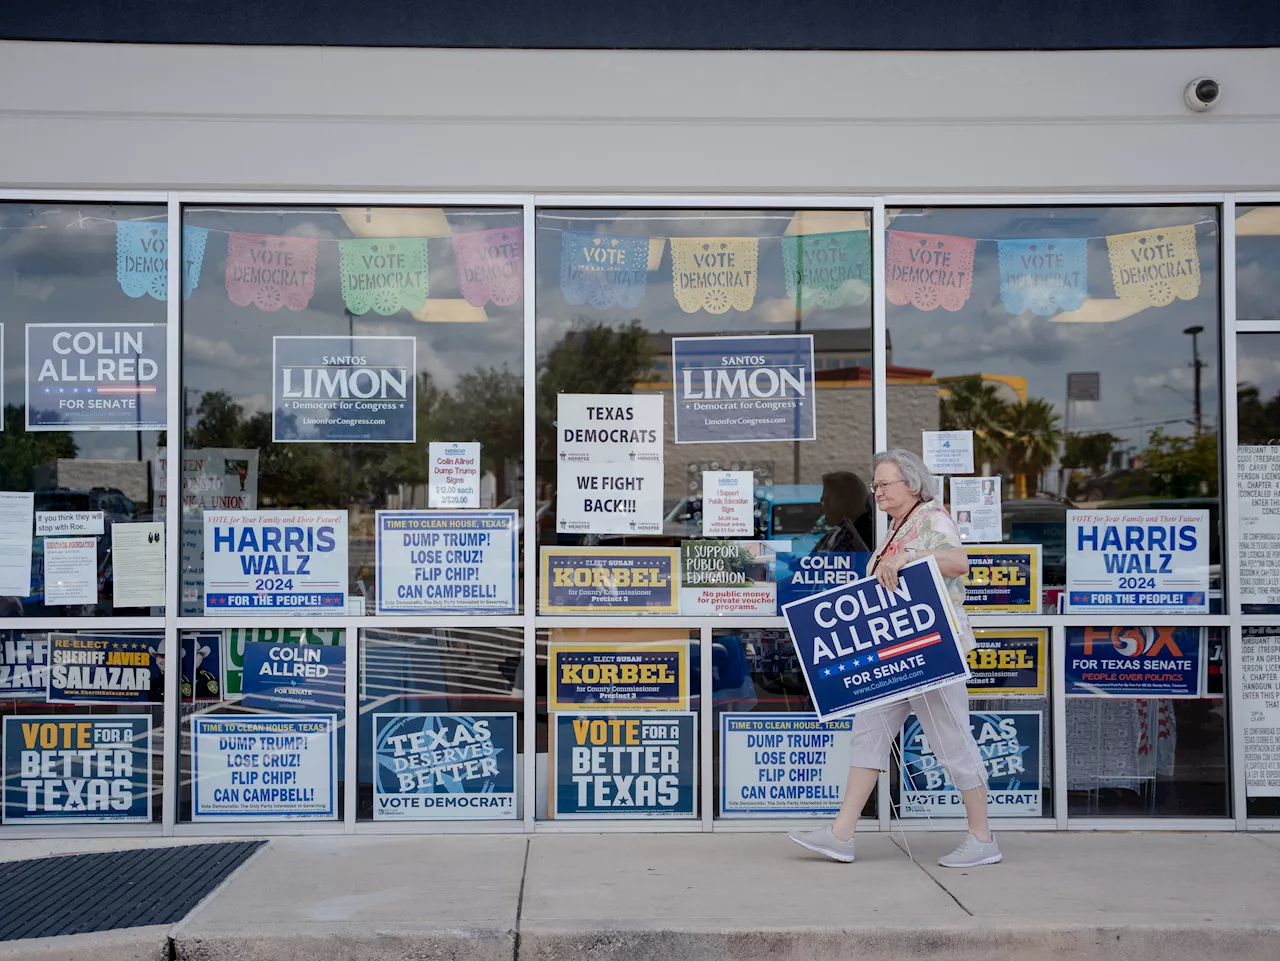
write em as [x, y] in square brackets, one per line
[736, 897]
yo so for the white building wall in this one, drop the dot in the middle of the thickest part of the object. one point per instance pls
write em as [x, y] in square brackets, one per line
[144, 116]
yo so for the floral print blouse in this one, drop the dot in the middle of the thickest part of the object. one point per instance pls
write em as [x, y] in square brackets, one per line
[930, 528]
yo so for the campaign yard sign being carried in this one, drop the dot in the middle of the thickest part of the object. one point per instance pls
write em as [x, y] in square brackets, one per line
[743, 389]
[860, 645]
[1157, 561]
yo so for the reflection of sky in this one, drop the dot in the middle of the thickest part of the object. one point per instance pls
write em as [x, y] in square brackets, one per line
[1257, 274]
[229, 348]
[53, 270]
[773, 311]
[1144, 360]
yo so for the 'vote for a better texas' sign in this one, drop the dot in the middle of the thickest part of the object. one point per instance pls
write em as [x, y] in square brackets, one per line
[861, 645]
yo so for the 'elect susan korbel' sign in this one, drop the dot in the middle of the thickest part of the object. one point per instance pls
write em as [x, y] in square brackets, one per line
[1154, 560]
[95, 377]
[735, 389]
[292, 561]
[860, 645]
[351, 389]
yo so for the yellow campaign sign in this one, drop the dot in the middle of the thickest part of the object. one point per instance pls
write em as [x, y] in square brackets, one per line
[714, 273]
[1153, 267]
[651, 676]
[1003, 578]
[1008, 663]
[610, 580]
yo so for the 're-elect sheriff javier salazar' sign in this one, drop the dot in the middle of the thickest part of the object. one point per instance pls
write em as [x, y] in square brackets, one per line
[860, 645]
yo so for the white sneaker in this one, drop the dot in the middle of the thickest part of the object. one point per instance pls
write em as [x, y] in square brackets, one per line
[971, 853]
[824, 841]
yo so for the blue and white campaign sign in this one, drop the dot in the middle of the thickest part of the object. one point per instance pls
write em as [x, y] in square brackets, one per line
[803, 575]
[282, 677]
[1154, 561]
[447, 562]
[1135, 661]
[77, 768]
[358, 390]
[24, 665]
[294, 561]
[860, 645]
[743, 389]
[444, 767]
[96, 377]
[624, 765]
[782, 764]
[113, 668]
[264, 767]
[1009, 742]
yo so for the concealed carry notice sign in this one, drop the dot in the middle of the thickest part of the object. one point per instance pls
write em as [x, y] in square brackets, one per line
[1009, 742]
[344, 389]
[1258, 505]
[291, 561]
[743, 389]
[444, 767]
[1260, 687]
[782, 765]
[267, 767]
[600, 580]
[96, 377]
[1156, 562]
[860, 645]
[447, 561]
[624, 765]
[77, 768]
[650, 676]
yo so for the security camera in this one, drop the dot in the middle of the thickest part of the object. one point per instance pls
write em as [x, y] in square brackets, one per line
[1201, 94]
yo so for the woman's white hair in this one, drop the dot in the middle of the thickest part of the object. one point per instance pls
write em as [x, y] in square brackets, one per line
[918, 477]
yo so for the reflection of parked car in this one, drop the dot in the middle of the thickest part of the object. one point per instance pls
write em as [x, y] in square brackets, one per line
[1040, 520]
[1115, 484]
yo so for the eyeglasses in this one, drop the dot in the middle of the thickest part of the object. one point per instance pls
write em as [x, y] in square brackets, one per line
[880, 487]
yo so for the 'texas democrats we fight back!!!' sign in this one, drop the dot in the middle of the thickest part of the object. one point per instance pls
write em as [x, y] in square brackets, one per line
[860, 645]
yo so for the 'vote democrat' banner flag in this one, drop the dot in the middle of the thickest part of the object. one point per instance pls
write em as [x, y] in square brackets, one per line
[860, 645]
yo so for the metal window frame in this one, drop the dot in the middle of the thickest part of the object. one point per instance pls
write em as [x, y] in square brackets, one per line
[529, 621]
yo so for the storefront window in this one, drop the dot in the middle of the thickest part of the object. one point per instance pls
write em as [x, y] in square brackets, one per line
[82, 300]
[681, 349]
[618, 723]
[351, 372]
[83, 741]
[262, 716]
[1147, 721]
[1258, 263]
[1077, 348]
[441, 725]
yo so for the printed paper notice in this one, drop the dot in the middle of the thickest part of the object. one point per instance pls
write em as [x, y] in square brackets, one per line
[728, 503]
[70, 570]
[16, 511]
[137, 565]
[1260, 668]
[68, 523]
[1258, 481]
[948, 451]
[975, 507]
[455, 475]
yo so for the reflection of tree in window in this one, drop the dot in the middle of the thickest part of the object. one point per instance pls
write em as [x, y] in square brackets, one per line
[21, 452]
[1259, 422]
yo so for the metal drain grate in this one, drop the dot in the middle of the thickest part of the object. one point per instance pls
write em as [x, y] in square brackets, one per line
[74, 894]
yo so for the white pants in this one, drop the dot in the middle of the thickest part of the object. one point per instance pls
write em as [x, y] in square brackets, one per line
[944, 713]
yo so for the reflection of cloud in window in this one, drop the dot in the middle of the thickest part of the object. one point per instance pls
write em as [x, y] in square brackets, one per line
[1262, 370]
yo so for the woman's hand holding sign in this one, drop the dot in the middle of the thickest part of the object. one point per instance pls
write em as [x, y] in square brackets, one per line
[891, 562]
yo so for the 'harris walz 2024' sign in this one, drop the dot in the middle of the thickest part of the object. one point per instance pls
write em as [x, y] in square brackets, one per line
[95, 377]
[860, 645]
[743, 389]
[349, 389]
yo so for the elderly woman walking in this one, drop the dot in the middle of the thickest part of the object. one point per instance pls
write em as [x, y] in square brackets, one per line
[920, 527]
